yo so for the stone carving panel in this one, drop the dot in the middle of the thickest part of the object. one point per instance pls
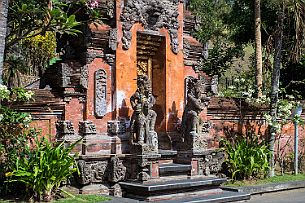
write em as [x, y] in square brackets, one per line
[117, 170]
[100, 105]
[65, 72]
[92, 172]
[214, 84]
[116, 127]
[113, 39]
[87, 128]
[84, 76]
[64, 128]
[153, 15]
[144, 169]
[213, 163]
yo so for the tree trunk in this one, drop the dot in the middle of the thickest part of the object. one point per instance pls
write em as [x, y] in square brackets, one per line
[3, 28]
[275, 88]
[258, 49]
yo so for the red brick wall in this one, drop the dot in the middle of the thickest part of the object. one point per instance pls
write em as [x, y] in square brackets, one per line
[228, 118]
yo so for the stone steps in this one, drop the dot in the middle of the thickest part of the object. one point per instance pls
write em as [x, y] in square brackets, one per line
[174, 169]
[224, 196]
[177, 189]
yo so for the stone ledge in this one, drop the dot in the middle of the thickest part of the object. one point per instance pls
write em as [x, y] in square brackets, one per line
[271, 187]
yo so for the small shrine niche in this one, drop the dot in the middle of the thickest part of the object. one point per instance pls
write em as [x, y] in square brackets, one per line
[151, 62]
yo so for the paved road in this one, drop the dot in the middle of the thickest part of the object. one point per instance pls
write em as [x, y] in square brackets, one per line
[289, 196]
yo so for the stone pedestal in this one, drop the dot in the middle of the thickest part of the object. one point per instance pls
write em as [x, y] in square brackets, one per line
[197, 142]
[100, 175]
[207, 162]
[147, 167]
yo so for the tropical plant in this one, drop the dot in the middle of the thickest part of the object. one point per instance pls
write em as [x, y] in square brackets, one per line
[247, 157]
[15, 132]
[43, 168]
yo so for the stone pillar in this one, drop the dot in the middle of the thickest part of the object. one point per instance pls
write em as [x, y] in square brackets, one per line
[147, 167]
[65, 133]
[88, 131]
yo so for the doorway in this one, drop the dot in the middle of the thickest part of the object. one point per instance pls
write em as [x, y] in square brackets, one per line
[151, 60]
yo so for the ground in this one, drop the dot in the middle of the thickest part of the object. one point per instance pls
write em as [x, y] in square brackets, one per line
[289, 196]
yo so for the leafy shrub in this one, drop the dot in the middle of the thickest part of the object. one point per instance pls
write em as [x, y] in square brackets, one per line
[15, 132]
[247, 157]
[43, 168]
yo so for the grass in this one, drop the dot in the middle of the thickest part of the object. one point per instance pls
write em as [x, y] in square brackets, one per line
[84, 198]
[76, 199]
[275, 179]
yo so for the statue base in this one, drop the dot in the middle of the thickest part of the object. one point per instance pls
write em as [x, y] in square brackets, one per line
[150, 147]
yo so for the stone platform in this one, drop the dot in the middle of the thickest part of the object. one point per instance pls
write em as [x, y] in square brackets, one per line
[181, 189]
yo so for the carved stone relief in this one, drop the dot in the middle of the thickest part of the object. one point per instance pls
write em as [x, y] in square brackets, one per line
[65, 72]
[113, 39]
[110, 8]
[110, 59]
[85, 176]
[117, 190]
[84, 76]
[212, 163]
[87, 128]
[64, 128]
[153, 15]
[100, 104]
[92, 172]
[144, 169]
[117, 170]
[116, 127]
[214, 84]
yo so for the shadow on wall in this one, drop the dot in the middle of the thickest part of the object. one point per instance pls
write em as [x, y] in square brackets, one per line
[124, 110]
[245, 128]
[173, 122]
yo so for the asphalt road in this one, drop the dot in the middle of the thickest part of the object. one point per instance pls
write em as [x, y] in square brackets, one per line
[289, 196]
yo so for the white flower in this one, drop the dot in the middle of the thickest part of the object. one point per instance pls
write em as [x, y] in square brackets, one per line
[242, 80]
[28, 95]
[231, 87]
[27, 119]
[1, 117]
[4, 92]
[290, 97]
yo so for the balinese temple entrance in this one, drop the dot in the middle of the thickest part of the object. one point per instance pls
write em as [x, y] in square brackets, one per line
[151, 58]
[152, 149]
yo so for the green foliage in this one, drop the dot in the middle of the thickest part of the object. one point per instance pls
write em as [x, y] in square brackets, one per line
[33, 28]
[15, 133]
[29, 18]
[214, 32]
[211, 15]
[247, 157]
[73, 199]
[220, 58]
[43, 168]
[84, 198]
[39, 50]
[275, 179]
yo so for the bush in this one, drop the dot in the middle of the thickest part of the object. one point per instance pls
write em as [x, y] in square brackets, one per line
[247, 157]
[15, 132]
[43, 168]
